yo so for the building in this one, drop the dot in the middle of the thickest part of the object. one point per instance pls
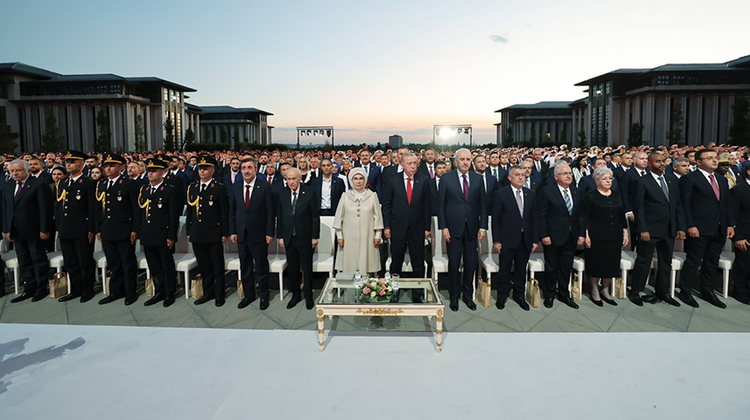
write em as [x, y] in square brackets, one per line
[134, 106]
[543, 122]
[226, 124]
[395, 141]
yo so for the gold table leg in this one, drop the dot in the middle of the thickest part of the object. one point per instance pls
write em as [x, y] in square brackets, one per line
[321, 330]
[439, 328]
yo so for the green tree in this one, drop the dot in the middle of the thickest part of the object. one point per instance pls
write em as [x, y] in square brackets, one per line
[103, 141]
[508, 135]
[189, 138]
[206, 138]
[236, 136]
[581, 139]
[224, 135]
[8, 143]
[169, 135]
[140, 132]
[676, 126]
[52, 139]
[636, 135]
[739, 131]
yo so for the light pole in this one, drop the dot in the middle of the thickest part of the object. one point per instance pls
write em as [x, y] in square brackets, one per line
[446, 131]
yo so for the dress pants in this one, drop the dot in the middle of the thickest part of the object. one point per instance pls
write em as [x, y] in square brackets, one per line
[741, 272]
[160, 261]
[558, 263]
[299, 256]
[462, 247]
[123, 266]
[210, 258]
[703, 252]
[517, 282]
[664, 248]
[415, 244]
[32, 259]
[78, 257]
[254, 267]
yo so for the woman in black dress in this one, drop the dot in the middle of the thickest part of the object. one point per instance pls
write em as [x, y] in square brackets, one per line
[603, 216]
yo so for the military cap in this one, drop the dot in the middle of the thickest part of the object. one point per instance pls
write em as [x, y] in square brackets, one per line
[76, 155]
[114, 158]
[206, 160]
[156, 163]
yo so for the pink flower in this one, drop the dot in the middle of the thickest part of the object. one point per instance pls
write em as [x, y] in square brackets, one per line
[366, 290]
[382, 282]
[382, 293]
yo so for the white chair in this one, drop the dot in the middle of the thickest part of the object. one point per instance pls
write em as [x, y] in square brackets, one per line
[101, 264]
[726, 262]
[323, 256]
[439, 251]
[184, 259]
[579, 265]
[277, 263]
[678, 260]
[11, 263]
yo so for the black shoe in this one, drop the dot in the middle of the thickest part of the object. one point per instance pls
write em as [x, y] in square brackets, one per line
[246, 301]
[522, 303]
[668, 299]
[67, 297]
[609, 301]
[296, 298]
[549, 301]
[454, 304]
[635, 297]
[470, 303]
[129, 302]
[598, 303]
[263, 304]
[652, 299]
[168, 301]
[564, 298]
[109, 299]
[154, 300]
[713, 300]
[23, 296]
[740, 297]
[86, 298]
[202, 300]
[40, 295]
[500, 303]
[309, 302]
[219, 302]
[687, 299]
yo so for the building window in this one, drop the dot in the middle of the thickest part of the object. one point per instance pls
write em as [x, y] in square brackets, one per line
[607, 88]
[166, 95]
[3, 91]
[3, 117]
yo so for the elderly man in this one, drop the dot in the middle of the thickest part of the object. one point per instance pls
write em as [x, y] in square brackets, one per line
[680, 167]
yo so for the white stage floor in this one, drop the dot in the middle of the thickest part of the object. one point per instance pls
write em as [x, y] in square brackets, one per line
[90, 372]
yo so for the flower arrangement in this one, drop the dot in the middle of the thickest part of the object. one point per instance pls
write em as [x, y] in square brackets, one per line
[375, 290]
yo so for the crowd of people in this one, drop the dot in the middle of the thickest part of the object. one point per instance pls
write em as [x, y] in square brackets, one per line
[382, 203]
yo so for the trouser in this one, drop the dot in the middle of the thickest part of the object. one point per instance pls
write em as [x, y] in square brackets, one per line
[703, 252]
[664, 248]
[415, 244]
[210, 258]
[160, 261]
[299, 256]
[33, 263]
[254, 268]
[508, 257]
[123, 267]
[464, 248]
[78, 257]
[741, 272]
[558, 263]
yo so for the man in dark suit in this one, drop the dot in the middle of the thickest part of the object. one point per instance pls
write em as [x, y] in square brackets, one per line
[540, 165]
[627, 188]
[530, 182]
[208, 228]
[298, 230]
[160, 206]
[395, 168]
[462, 218]
[37, 170]
[75, 217]
[659, 219]
[709, 218]
[27, 221]
[741, 268]
[233, 175]
[514, 233]
[329, 189]
[626, 162]
[560, 230]
[427, 167]
[274, 177]
[252, 214]
[374, 181]
[116, 228]
[489, 182]
[406, 219]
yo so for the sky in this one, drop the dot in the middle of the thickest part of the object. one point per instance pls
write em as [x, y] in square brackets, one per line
[369, 68]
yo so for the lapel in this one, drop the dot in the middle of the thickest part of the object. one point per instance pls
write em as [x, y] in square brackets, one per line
[526, 204]
[254, 196]
[656, 188]
[23, 192]
[703, 182]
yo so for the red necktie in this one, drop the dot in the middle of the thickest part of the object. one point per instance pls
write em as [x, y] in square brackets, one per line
[715, 186]
[247, 196]
[466, 188]
[408, 190]
[270, 179]
[20, 187]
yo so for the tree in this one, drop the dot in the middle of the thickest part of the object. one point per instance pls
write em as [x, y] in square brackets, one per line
[189, 138]
[206, 137]
[508, 135]
[52, 139]
[8, 138]
[676, 125]
[636, 135]
[103, 141]
[169, 135]
[581, 139]
[739, 131]
[224, 135]
[236, 136]
[140, 132]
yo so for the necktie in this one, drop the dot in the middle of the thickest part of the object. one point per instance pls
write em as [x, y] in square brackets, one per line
[109, 184]
[466, 188]
[294, 202]
[367, 169]
[408, 190]
[432, 174]
[203, 187]
[568, 202]
[494, 173]
[270, 179]
[519, 201]
[643, 173]
[715, 186]
[18, 192]
[247, 196]
[664, 187]
[153, 190]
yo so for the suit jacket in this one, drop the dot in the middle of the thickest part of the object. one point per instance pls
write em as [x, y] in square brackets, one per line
[543, 172]
[587, 184]
[207, 213]
[403, 218]
[535, 185]
[702, 209]
[116, 210]
[304, 221]
[620, 171]
[502, 175]
[31, 214]
[159, 214]
[627, 187]
[554, 220]
[653, 213]
[258, 219]
[741, 205]
[374, 177]
[507, 223]
[490, 189]
[75, 211]
[228, 180]
[434, 196]
[46, 177]
[423, 170]
[337, 189]
[454, 212]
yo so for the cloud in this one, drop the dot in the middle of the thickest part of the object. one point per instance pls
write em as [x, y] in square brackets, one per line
[499, 38]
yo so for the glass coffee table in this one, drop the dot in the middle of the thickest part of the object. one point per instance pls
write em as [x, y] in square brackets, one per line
[338, 299]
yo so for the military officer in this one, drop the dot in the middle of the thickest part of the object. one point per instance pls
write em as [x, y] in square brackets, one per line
[208, 228]
[116, 229]
[158, 222]
[76, 213]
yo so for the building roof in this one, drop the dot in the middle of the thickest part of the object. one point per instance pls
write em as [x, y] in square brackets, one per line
[21, 68]
[539, 105]
[226, 109]
[109, 77]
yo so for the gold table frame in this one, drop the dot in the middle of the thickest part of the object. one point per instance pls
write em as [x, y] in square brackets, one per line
[432, 307]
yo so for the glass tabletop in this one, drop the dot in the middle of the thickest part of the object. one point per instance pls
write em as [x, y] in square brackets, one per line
[339, 291]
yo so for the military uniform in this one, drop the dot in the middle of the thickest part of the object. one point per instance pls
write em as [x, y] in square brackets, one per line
[115, 222]
[75, 215]
[159, 210]
[208, 228]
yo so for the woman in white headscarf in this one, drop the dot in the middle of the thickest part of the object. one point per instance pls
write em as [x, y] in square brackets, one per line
[359, 225]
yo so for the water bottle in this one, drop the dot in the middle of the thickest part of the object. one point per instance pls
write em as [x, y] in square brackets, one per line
[357, 279]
